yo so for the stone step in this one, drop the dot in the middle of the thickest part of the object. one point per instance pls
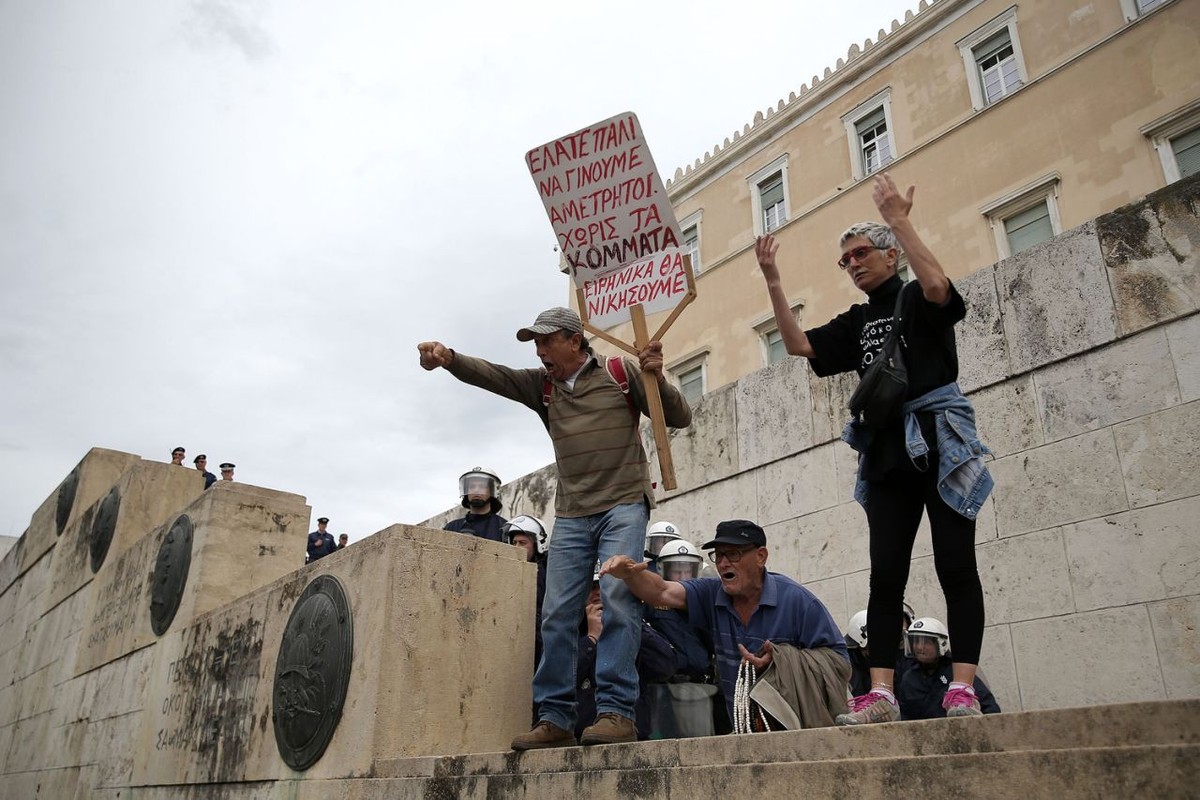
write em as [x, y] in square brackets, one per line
[1159, 723]
[1158, 771]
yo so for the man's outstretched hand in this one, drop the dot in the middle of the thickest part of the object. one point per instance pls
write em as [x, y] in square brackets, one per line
[435, 354]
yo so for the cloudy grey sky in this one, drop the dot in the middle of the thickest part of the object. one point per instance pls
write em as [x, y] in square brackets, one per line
[227, 223]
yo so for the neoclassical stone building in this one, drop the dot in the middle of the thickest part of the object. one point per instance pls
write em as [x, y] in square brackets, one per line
[1016, 121]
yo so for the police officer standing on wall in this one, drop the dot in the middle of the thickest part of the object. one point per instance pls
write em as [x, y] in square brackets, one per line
[320, 542]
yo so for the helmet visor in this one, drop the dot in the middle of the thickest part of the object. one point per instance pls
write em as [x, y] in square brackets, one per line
[683, 568]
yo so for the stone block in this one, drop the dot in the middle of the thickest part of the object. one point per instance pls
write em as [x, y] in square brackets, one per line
[1055, 300]
[797, 485]
[119, 687]
[846, 466]
[1134, 557]
[1068, 661]
[1007, 418]
[998, 668]
[1184, 339]
[1124, 380]
[6, 734]
[51, 783]
[982, 351]
[774, 413]
[1025, 577]
[530, 494]
[924, 591]
[31, 744]
[831, 592]
[151, 493]
[1067, 481]
[831, 404]
[732, 498]
[829, 542]
[1159, 458]
[93, 477]
[425, 605]
[108, 750]
[243, 537]
[703, 452]
[1152, 250]
[1176, 625]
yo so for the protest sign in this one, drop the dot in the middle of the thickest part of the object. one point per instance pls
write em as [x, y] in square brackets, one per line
[604, 197]
[620, 240]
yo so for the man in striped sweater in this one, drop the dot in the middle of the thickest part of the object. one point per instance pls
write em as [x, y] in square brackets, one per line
[601, 509]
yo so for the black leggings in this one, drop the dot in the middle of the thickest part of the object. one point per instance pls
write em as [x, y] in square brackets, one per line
[893, 514]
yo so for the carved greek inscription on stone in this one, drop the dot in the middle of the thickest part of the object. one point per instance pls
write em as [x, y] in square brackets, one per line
[170, 574]
[206, 714]
[115, 597]
[104, 525]
[66, 500]
[312, 672]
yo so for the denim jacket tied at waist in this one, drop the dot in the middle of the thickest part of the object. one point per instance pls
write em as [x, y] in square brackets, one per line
[963, 480]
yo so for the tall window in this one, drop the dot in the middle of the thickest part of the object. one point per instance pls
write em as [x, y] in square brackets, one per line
[1148, 5]
[691, 383]
[1027, 228]
[769, 196]
[691, 246]
[774, 211]
[1139, 8]
[1176, 137]
[1186, 149]
[997, 65]
[992, 57]
[874, 143]
[1025, 217]
[775, 349]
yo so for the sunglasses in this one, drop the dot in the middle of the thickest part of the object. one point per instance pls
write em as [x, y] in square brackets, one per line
[858, 254]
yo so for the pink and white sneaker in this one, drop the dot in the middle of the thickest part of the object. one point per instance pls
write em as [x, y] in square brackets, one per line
[868, 708]
[961, 703]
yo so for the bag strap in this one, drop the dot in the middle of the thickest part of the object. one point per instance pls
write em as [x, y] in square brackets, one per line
[615, 366]
[897, 320]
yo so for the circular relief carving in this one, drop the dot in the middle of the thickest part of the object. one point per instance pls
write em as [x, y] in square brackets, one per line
[66, 500]
[170, 574]
[104, 525]
[312, 672]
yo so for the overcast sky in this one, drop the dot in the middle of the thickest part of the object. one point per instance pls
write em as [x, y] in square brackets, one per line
[226, 224]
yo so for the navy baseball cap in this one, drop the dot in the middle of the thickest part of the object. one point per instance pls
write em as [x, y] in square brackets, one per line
[737, 531]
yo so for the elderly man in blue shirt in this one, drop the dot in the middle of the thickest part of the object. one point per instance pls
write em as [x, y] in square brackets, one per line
[758, 617]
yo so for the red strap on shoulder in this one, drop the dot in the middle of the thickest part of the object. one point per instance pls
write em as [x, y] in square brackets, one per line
[547, 390]
[616, 368]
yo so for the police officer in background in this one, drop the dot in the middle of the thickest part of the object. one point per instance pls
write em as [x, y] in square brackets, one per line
[320, 542]
[480, 491]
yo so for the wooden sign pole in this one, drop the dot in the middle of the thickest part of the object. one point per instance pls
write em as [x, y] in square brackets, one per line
[641, 338]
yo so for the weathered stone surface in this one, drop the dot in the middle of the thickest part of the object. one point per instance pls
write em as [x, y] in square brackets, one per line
[244, 537]
[150, 493]
[924, 590]
[1055, 300]
[212, 684]
[732, 498]
[1176, 625]
[1159, 457]
[982, 351]
[97, 473]
[1152, 249]
[1073, 479]
[831, 402]
[1111, 674]
[999, 668]
[1025, 577]
[846, 465]
[705, 451]
[774, 413]
[1007, 416]
[1126, 379]
[831, 592]
[1184, 339]
[798, 485]
[1137, 556]
[828, 543]
[530, 494]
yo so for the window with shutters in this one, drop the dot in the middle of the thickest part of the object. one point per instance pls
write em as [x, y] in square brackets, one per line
[769, 196]
[689, 374]
[689, 226]
[1025, 217]
[1140, 8]
[770, 339]
[869, 131]
[1176, 137]
[992, 56]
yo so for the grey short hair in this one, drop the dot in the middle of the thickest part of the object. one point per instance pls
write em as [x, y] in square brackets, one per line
[877, 234]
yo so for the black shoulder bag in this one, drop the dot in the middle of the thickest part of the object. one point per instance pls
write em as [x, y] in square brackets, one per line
[881, 391]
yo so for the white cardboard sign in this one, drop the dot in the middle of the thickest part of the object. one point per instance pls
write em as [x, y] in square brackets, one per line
[604, 197]
[658, 283]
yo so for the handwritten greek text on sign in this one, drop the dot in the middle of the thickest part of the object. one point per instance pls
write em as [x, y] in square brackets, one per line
[657, 283]
[604, 197]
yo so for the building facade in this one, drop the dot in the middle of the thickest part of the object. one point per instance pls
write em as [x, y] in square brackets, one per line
[1014, 121]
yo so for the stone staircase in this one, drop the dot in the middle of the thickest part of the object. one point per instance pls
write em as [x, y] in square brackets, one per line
[1133, 750]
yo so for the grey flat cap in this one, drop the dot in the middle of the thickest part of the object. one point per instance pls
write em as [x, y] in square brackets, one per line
[551, 320]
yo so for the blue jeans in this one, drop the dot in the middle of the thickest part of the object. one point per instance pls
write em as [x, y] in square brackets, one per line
[576, 544]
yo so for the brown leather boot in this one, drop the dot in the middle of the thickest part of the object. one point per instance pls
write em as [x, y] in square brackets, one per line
[544, 734]
[609, 729]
